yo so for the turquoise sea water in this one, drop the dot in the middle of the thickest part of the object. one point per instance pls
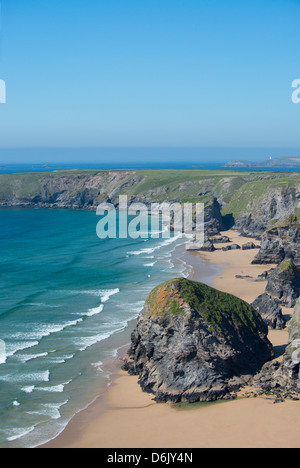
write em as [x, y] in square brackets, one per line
[65, 295]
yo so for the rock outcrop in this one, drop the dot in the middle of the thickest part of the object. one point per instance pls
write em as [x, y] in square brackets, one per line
[265, 205]
[231, 247]
[280, 242]
[269, 309]
[213, 221]
[283, 289]
[282, 379]
[194, 343]
[250, 246]
[284, 283]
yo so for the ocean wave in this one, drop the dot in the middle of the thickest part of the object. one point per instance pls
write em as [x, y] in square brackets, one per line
[60, 359]
[43, 376]
[42, 331]
[84, 343]
[54, 389]
[150, 250]
[28, 389]
[50, 410]
[19, 432]
[42, 304]
[30, 357]
[104, 294]
[95, 311]
[13, 348]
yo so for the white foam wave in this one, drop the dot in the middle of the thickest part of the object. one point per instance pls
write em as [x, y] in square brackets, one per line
[30, 357]
[54, 389]
[30, 377]
[95, 311]
[28, 389]
[19, 432]
[13, 348]
[50, 410]
[42, 331]
[104, 294]
[151, 250]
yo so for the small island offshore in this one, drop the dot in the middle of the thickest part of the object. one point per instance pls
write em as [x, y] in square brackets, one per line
[233, 340]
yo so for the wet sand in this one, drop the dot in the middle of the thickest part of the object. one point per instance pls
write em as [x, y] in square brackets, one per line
[128, 418]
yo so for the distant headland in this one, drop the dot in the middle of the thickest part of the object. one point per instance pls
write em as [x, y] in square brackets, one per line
[291, 162]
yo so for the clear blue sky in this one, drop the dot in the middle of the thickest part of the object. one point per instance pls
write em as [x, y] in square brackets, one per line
[150, 73]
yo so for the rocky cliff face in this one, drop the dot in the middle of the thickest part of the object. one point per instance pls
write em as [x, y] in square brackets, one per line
[194, 343]
[271, 312]
[283, 289]
[280, 242]
[275, 204]
[284, 283]
[282, 379]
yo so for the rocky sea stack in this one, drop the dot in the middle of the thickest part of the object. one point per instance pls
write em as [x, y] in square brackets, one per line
[194, 343]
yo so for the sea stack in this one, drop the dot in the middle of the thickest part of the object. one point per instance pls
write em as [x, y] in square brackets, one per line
[195, 343]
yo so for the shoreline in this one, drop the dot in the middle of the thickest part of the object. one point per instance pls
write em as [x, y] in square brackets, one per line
[99, 406]
[105, 422]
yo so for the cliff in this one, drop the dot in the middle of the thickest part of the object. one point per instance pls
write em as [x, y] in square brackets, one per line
[194, 343]
[250, 201]
[282, 379]
[280, 242]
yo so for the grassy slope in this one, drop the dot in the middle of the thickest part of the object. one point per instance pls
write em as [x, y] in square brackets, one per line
[212, 305]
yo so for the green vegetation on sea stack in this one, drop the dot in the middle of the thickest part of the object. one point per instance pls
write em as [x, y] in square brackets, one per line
[214, 306]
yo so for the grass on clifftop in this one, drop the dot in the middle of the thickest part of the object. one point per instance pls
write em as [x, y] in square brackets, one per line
[215, 307]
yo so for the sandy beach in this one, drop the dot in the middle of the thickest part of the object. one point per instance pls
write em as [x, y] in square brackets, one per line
[129, 418]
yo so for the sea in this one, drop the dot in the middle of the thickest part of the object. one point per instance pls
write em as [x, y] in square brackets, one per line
[67, 299]
[65, 295]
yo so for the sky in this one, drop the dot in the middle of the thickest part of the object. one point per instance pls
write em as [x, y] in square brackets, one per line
[150, 73]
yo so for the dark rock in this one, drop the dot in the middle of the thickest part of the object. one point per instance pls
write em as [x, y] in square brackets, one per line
[285, 376]
[194, 343]
[249, 246]
[213, 218]
[264, 275]
[276, 204]
[280, 242]
[220, 240]
[270, 310]
[208, 246]
[284, 283]
[231, 247]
